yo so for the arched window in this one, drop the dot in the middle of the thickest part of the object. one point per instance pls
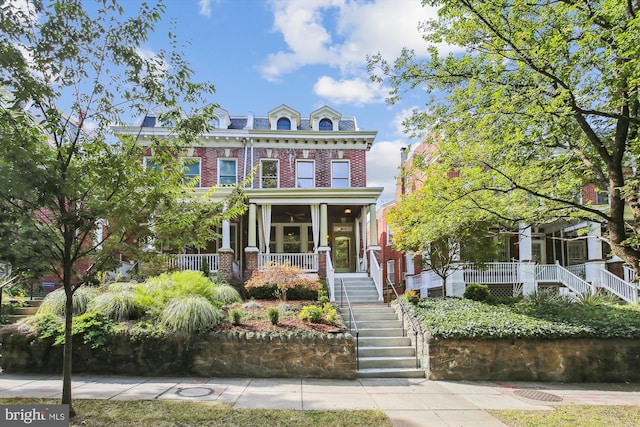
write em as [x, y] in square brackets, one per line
[284, 124]
[325, 124]
[213, 123]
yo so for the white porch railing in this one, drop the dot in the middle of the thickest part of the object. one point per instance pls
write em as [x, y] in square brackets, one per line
[413, 282]
[492, 273]
[614, 284]
[431, 280]
[579, 270]
[629, 274]
[557, 273]
[330, 277]
[376, 274]
[307, 262]
[194, 262]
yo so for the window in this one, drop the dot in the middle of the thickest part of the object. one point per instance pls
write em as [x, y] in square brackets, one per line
[292, 240]
[325, 125]
[602, 198]
[269, 174]
[192, 169]
[389, 236]
[391, 271]
[305, 174]
[150, 164]
[283, 124]
[227, 172]
[213, 123]
[340, 174]
[149, 121]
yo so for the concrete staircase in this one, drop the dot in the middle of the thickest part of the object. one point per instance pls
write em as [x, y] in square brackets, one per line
[383, 350]
[361, 289]
[19, 313]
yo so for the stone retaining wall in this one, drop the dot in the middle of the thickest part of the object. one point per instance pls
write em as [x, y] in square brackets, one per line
[564, 360]
[218, 354]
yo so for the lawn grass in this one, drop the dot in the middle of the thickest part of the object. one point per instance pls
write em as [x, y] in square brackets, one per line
[572, 416]
[158, 413]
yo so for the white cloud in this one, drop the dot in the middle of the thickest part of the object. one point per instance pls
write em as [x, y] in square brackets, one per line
[340, 33]
[355, 91]
[383, 161]
[401, 116]
[205, 7]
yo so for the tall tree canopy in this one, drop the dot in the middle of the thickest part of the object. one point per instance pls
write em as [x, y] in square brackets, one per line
[69, 71]
[541, 101]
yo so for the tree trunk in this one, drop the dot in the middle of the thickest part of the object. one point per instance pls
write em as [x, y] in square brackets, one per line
[68, 319]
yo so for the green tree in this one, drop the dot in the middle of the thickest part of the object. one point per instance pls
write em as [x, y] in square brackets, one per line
[541, 101]
[71, 70]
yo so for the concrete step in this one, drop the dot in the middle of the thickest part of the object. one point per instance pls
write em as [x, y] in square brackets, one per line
[386, 362]
[15, 318]
[390, 373]
[401, 351]
[377, 324]
[383, 341]
[364, 316]
[30, 311]
[380, 332]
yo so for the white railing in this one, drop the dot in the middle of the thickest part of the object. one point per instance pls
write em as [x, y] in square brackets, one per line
[307, 262]
[330, 277]
[413, 281]
[546, 273]
[629, 274]
[614, 284]
[491, 273]
[572, 281]
[194, 262]
[376, 274]
[579, 270]
[432, 279]
[557, 273]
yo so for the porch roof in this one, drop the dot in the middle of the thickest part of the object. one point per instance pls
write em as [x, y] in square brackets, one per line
[333, 196]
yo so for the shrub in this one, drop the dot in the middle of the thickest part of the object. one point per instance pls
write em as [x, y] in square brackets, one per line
[251, 305]
[547, 297]
[282, 278]
[330, 312]
[311, 313]
[411, 297]
[477, 292]
[94, 328]
[273, 314]
[235, 316]
[596, 299]
[55, 301]
[116, 305]
[323, 297]
[226, 294]
[190, 314]
[46, 325]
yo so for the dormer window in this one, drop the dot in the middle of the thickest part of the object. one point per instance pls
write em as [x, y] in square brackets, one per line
[149, 121]
[325, 125]
[284, 124]
[213, 123]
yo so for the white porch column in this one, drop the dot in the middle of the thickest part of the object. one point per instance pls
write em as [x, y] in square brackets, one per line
[524, 237]
[373, 226]
[324, 225]
[455, 286]
[226, 233]
[252, 226]
[527, 275]
[595, 261]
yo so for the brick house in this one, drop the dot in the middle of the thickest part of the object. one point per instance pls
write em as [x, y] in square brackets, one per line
[568, 257]
[308, 203]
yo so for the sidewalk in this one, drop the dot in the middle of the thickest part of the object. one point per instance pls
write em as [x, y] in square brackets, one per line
[407, 402]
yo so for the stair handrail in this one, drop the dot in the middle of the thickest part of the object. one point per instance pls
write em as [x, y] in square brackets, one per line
[621, 288]
[352, 317]
[8, 282]
[405, 312]
[572, 281]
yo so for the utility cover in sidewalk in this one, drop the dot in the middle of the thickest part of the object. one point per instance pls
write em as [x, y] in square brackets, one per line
[538, 395]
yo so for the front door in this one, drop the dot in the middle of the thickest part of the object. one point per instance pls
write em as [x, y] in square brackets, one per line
[343, 248]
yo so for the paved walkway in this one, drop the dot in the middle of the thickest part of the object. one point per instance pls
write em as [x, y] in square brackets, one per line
[407, 402]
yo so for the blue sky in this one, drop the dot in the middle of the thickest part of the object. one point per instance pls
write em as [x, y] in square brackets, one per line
[303, 53]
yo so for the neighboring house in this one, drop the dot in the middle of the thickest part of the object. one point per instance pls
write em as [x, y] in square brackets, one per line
[567, 257]
[308, 203]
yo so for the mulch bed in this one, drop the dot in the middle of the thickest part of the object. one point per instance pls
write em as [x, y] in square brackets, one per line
[256, 320]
